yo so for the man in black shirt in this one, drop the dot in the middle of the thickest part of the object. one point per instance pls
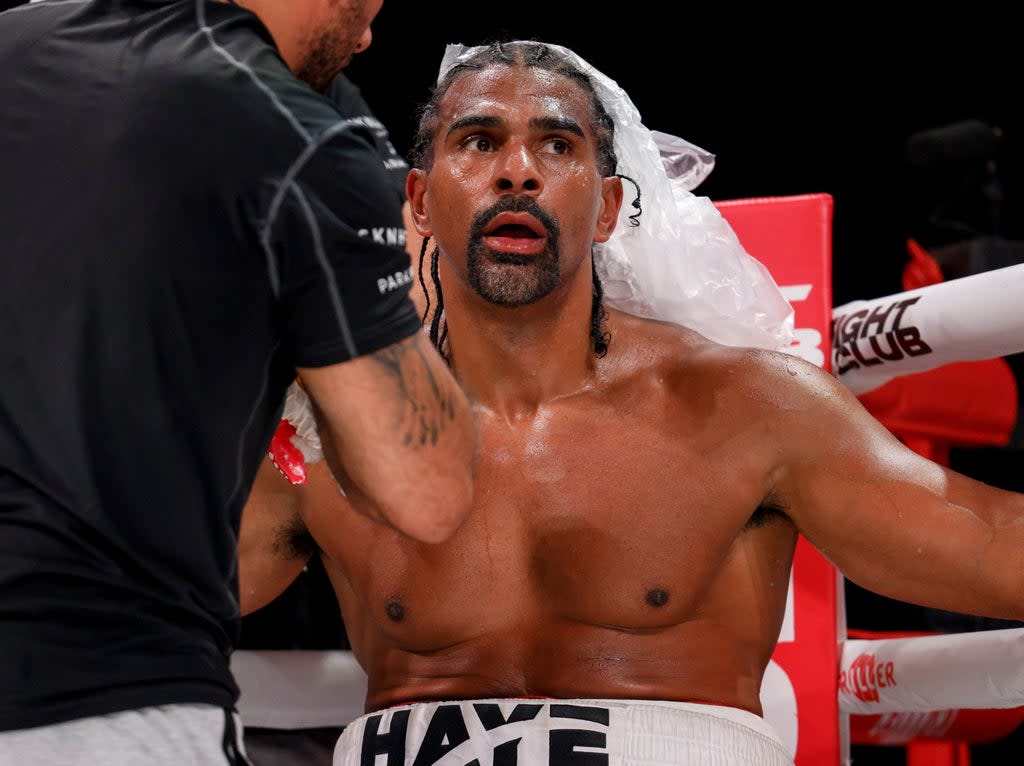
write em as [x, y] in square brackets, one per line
[187, 226]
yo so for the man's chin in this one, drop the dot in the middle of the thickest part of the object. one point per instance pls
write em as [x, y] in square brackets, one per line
[506, 258]
[509, 296]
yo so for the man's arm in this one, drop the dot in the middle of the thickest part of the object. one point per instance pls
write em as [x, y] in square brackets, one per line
[395, 427]
[892, 521]
[273, 545]
[398, 435]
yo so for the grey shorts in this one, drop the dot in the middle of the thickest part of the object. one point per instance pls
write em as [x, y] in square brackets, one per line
[168, 735]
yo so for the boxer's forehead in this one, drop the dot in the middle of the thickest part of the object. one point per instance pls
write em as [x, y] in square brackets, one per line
[511, 93]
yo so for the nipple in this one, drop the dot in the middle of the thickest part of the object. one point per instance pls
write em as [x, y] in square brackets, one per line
[657, 597]
[395, 611]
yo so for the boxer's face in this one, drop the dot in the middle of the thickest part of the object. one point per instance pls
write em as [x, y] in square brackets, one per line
[342, 29]
[513, 196]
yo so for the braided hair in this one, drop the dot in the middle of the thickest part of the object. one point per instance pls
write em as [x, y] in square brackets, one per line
[518, 54]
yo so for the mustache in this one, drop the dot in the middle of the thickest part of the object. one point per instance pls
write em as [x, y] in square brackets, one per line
[513, 205]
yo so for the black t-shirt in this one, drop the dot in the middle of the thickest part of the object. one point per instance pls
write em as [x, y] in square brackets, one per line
[183, 223]
[349, 100]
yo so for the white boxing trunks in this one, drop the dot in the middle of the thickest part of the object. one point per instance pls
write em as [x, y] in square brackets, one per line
[544, 732]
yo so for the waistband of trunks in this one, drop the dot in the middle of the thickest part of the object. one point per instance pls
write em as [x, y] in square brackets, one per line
[581, 732]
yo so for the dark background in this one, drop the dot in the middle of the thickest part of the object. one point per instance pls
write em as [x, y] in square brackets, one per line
[789, 102]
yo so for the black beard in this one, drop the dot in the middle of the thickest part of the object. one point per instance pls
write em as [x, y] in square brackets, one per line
[509, 279]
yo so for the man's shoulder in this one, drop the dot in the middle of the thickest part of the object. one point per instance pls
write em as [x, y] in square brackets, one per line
[222, 73]
[665, 344]
[263, 119]
[766, 383]
[684, 355]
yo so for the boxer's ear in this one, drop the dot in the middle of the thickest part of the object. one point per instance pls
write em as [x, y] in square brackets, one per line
[416, 192]
[611, 203]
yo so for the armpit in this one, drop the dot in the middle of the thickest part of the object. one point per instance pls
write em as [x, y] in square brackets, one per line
[764, 514]
[293, 541]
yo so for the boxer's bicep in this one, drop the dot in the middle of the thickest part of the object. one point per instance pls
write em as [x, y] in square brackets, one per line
[891, 520]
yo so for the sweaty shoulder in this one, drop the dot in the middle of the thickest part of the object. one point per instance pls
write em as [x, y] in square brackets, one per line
[751, 384]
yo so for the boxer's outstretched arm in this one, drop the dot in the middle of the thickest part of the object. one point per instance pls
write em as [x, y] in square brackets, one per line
[398, 434]
[892, 521]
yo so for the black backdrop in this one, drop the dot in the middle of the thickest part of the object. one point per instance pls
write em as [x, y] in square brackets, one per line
[789, 102]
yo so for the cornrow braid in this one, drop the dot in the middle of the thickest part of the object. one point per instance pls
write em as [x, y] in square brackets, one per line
[423, 282]
[437, 335]
[598, 315]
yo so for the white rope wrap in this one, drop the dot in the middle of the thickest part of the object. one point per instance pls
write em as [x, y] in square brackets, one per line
[683, 263]
[298, 689]
[299, 412]
[967, 319]
[983, 670]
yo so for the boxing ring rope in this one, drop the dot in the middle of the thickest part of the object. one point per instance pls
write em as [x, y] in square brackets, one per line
[967, 319]
[298, 689]
[899, 687]
[983, 670]
[294, 689]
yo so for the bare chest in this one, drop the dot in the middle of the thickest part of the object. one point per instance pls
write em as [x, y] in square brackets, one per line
[606, 523]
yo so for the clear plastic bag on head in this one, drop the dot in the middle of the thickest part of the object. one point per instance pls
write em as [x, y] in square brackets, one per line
[684, 163]
[679, 260]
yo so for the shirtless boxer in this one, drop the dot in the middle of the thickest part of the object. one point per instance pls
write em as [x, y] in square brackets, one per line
[636, 505]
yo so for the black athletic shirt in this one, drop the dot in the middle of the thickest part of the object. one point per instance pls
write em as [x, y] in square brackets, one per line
[349, 100]
[183, 222]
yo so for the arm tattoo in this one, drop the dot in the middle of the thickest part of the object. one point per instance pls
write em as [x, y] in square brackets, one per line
[426, 405]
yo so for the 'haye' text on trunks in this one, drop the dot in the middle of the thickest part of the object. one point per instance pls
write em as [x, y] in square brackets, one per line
[570, 742]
